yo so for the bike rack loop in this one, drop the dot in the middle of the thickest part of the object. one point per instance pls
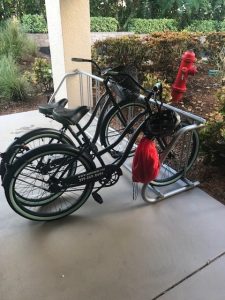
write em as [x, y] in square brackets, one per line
[199, 123]
[185, 184]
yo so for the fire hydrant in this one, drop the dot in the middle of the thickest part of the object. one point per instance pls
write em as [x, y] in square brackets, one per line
[186, 68]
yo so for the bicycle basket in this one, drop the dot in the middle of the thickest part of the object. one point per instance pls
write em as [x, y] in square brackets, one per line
[125, 81]
[162, 123]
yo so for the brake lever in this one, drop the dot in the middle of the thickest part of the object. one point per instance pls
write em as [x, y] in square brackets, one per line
[109, 72]
[105, 71]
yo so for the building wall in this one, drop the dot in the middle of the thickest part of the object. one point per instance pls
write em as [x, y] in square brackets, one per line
[69, 36]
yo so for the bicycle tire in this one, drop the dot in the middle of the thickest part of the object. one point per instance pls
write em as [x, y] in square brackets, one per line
[179, 160]
[112, 127]
[31, 140]
[63, 205]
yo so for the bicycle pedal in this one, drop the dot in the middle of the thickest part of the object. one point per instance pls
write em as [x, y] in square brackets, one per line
[97, 197]
[116, 154]
[2, 154]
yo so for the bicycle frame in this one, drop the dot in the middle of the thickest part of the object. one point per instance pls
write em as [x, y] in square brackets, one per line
[105, 170]
[103, 101]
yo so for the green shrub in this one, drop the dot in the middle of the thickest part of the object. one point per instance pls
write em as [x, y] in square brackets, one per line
[151, 79]
[153, 53]
[214, 44]
[13, 86]
[42, 74]
[222, 26]
[34, 23]
[167, 49]
[202, 26]
[213, 139]
[14, 41]
[221, 96]
[152, 25]
[101, 24]
[159, 25]
[213, 134]
[121, 51]
[158, 52]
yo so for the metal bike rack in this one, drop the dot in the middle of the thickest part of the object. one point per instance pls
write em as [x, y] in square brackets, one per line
[84, 77]
[157, 193]
[183, 184]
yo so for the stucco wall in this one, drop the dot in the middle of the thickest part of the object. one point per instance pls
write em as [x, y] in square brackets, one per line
[69, 36]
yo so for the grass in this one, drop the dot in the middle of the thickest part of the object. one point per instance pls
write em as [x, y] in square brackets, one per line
[13, 86]
[15, 46]
[15, 42]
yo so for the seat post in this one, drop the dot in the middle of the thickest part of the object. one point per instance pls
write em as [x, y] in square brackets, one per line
[82, 132]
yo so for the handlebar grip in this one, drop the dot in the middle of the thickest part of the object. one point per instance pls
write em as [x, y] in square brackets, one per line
[157, 87]
[80, 59]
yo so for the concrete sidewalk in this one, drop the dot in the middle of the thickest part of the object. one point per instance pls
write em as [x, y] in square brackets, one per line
[122, 249]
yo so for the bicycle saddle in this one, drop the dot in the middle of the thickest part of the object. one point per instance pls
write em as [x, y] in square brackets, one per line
[47, 109]
[68, 116]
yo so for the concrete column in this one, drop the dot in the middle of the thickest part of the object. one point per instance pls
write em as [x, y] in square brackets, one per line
[69, 36]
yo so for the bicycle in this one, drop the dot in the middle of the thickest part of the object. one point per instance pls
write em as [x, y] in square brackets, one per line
[41, 136]
[53, 181]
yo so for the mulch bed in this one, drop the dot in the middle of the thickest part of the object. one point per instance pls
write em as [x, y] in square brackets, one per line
[22, 106]
[201, 100]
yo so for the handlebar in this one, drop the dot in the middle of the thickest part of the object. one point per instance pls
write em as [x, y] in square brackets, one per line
[157, 88]
[80, 59]
[77, 59]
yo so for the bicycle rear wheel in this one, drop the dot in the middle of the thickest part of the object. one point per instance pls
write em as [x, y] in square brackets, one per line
[30, 189]
[179, 160]
[30, 140]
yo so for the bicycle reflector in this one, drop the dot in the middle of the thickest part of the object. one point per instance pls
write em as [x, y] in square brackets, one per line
[162, 123]
[146, 164]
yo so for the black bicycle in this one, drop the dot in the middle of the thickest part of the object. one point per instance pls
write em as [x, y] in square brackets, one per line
[116, 94]
[53, 181]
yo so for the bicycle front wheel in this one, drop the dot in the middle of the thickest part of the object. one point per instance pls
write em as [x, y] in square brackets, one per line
[180, 158]
[115, 122]
[31, 188]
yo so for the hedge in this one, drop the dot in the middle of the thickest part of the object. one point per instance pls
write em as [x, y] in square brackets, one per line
[205, 26]
[34, 23]
[101, 24]
[159, 25]
[152, 25]
[122, 50]
[156, 52]
[38, 24]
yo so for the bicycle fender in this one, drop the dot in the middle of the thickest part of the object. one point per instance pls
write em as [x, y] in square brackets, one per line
[19, 140]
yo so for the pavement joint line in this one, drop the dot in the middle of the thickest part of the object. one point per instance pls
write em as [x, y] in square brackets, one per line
[209, 262]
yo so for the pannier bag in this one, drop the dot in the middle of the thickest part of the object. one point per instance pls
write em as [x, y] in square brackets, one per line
[146, 163]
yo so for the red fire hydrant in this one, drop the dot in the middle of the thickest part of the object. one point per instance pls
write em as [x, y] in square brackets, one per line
[186, 68]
